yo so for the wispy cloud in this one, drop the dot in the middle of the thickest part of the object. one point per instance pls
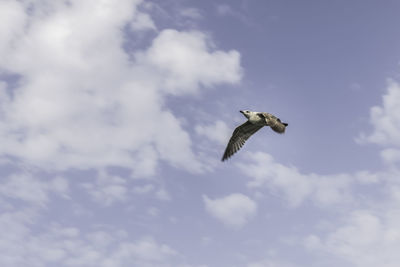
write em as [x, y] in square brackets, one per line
[107, 189]
[297, 187]
[32, 190]
[385, 119]
[85, 103]
[234, 210]
[70, 246]
[366, 237]
[226, 10]
[191, 12]
[217, 132]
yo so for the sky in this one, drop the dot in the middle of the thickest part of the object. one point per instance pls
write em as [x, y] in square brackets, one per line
[114, 116]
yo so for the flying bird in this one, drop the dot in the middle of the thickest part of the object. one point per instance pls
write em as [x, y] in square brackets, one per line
[255, 121]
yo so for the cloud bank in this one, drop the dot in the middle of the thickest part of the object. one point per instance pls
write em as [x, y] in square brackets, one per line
[82, 101]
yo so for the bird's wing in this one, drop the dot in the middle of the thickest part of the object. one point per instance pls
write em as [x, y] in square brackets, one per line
[239, 137]
[274, 122]
[267, 116]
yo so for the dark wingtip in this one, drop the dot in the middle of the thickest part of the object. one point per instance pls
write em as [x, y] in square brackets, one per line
[286, 124]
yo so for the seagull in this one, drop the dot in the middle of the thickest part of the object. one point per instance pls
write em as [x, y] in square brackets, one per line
[255, 121]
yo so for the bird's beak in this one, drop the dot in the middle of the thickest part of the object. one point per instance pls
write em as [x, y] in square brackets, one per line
[241, 111]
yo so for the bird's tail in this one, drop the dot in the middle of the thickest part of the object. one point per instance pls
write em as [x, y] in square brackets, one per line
[279, 127]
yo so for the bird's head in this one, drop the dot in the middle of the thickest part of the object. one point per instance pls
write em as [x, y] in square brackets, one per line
[246, 113]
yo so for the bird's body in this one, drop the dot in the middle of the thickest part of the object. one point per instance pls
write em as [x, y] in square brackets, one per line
[254, 118]
[255, 121]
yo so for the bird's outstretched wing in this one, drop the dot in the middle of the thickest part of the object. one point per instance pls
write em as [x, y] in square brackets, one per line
[239, 137]
[274, 122]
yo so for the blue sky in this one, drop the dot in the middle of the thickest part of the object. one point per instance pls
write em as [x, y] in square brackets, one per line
[114, 116]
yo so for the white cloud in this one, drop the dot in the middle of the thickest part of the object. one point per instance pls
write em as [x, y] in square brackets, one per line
[312, 242]
[391, 155]
[366, 235]
[185, 61]
[83, 102]
[153, 211]
[107, 189]
[297, 187]
[31, 239]
[13, 13]
[218, 132]
[148, 250]
[386, 119]
[103, 239]
[69, 246]
[366, 238]
[32, 190]
[143, 21]
[225, 10]
[234, 210]
[145, 189]
[163, 195]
